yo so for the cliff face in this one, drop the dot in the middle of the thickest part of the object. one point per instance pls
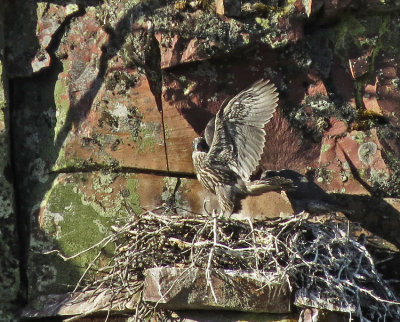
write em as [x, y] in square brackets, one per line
[100, 102]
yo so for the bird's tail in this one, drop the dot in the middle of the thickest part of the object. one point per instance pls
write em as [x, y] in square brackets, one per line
[258, 187]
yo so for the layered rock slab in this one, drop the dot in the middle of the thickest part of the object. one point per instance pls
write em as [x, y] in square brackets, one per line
[180, 288]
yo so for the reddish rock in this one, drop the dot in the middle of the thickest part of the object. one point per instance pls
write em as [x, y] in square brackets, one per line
[284, 148]
[369, 99]
[336, 127]
[170, 51]
[317, 88]
[28, 41]
[352, 162]
[50, 19]
[125, 128]
[388, 89]
[293, 30]
[187, 288]
[327, 153]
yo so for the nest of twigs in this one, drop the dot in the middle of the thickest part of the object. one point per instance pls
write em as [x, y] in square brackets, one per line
[323, 264]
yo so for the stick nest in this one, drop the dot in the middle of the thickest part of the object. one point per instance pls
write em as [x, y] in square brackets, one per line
[325, 266]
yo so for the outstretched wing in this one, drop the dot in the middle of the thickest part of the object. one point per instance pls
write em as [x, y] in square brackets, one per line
[239, 135]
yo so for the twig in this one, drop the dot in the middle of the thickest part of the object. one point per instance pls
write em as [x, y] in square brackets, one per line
[210, 257]
[103, 243]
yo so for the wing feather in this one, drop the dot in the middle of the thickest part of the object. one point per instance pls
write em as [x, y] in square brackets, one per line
[239, 134]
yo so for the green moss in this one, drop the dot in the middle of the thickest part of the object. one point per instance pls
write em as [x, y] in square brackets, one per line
[323, 175]
[149, 135]
[132, 196]
[363, 173]
[347, 32]
[62, 106]
[380, 180]
[103, 180]
[71, 227]
[272, 31]
[325, 148]
[366, 151]
[312, 116]
[359, 137]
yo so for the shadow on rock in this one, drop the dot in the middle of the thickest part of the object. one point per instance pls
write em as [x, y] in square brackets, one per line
[375, 214]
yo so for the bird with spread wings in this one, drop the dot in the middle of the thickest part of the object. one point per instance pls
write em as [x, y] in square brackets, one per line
[231, 150]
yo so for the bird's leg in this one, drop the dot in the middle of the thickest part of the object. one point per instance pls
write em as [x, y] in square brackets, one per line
[254, 242]
[211, 255]
[204, 207]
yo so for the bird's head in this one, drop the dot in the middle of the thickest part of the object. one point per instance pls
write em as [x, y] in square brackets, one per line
[200, 145]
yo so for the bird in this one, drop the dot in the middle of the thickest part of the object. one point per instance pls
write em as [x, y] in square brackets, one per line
[230, 151]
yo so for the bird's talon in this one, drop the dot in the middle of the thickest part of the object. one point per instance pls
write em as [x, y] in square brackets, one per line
[205, 208]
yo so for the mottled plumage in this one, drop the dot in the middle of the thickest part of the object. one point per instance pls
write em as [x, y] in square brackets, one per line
[234, 141]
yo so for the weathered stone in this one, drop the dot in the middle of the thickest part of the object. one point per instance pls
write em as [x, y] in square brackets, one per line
[268, 205]
[192, 196]
[353, 163]
[178, 50]
[387, 90]
[317, 87]
[229, 8]
[370, 100]
[62, 305]
[179, 138]
[304, 298]
[29, 42]
[229, 316]
[181, 288]
[95, 200]
[50, 17]
[123, 131]
[336, 127]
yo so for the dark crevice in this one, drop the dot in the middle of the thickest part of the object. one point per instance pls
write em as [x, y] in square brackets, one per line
[125, 170]
[22, 220]
[164, 138]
